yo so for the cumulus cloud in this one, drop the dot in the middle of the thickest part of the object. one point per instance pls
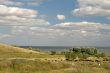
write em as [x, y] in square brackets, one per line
[58, 34]
[65, 29]
[93, 8]
[100, 3]
[85, 27]
[35, 2]
[5, 10]
[20, 16]
[84, 24]
[68, 34]
[61, 17]
[11, 2]
[30, 28]
[21, 3]
[92, 11]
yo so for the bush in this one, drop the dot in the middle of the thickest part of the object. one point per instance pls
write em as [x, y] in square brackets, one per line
[53, 52]
[100, 55]
[82, 53]
[62, 53]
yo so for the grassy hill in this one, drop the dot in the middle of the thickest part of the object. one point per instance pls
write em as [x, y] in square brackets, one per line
[20, 60]
[7, 51]
[7, 48]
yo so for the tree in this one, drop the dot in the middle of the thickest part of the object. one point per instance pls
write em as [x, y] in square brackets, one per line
[88, 51]
[95, 51]
[76, 50]
[83, 50]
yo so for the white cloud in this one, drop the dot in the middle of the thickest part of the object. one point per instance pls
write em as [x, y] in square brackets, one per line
[21, 3]
[65, 29]
[85, 27]
[5, 10]
[2, 36]
[61, 17]
[101, 3]
[20, 16]
[92, 11]
[68, 33]
[35, 2]
[93, 8]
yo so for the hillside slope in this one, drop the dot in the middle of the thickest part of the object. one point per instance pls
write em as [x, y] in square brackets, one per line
[12, 49]
[7, 51]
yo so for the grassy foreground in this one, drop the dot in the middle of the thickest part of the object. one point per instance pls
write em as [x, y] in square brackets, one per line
[38, 66]
[19, 60]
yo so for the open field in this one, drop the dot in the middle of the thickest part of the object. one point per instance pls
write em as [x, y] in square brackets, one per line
[39, 66]
[19, 60]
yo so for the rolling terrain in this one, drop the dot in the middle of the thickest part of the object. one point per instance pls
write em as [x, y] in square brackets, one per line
[20, 60]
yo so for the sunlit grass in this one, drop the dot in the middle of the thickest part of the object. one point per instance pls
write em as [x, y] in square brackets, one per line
[39, 66]
[31, 66]
[13, 60]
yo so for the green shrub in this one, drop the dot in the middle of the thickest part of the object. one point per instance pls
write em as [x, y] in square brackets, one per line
[82, 53]
[53, 52]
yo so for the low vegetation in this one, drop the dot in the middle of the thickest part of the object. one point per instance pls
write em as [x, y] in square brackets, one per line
[18, 60]
[30, 66]
[39, 66]
[87, 54]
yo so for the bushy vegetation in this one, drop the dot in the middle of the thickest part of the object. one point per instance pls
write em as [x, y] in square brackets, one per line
[53, 52]
[82, 53]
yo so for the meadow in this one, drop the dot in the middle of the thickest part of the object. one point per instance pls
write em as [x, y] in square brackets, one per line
[19, 60]
[39, 66]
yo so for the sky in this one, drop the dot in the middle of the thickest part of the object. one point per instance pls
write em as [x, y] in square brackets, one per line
[55, 22]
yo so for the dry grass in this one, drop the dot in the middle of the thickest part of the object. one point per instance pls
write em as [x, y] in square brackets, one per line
[39, 66]
[30, 66]
[8, 48]
[19, 60]
[7, 51]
